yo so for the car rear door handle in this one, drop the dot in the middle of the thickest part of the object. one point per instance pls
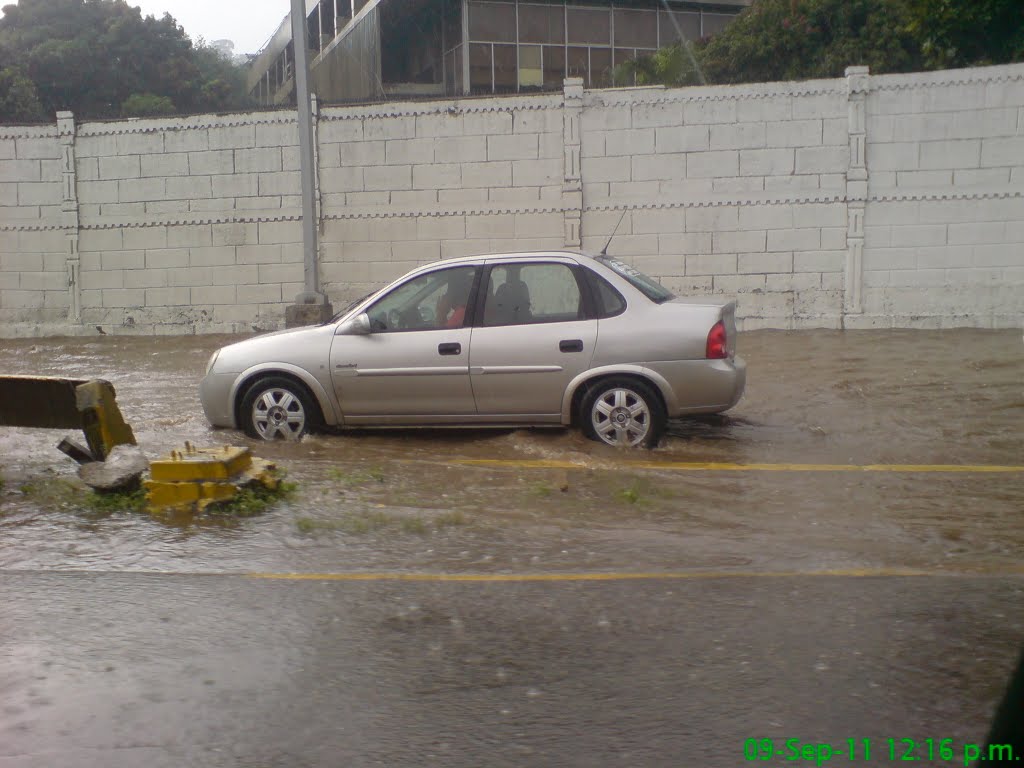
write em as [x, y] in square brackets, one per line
[570, 345]
[449, 349]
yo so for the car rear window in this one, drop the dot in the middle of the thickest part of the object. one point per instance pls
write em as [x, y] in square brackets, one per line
[608, 300]
[648, 286]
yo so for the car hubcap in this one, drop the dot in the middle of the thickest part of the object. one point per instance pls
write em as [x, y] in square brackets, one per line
[278, 413]
[621, 417]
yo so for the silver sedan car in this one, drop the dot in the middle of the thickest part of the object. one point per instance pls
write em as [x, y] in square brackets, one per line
[531, 339]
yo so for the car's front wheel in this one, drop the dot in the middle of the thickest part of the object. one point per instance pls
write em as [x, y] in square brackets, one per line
[278, 408]
[623, 412]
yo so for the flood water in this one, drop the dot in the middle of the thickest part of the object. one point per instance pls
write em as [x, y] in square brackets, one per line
[399, 499]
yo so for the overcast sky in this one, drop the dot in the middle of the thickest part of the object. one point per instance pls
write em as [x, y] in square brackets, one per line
[247, 24]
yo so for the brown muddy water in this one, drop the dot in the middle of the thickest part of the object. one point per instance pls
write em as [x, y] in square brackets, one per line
[397, 500]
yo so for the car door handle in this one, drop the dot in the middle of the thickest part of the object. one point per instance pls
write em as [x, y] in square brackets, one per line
[449, 349]
[570, 345]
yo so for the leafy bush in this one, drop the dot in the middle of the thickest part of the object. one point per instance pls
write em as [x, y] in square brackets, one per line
[805, 39]
[98, 58]
[147, 105]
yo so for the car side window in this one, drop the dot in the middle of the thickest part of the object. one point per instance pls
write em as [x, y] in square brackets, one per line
[520, 294]
[608, 300]
[429, 302]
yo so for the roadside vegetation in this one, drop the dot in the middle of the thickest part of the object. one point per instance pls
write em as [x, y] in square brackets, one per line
[61, 493]
[253, 500]
[104, 59]
[806, 39]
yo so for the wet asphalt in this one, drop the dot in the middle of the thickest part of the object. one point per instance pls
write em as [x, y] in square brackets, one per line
[812, 605]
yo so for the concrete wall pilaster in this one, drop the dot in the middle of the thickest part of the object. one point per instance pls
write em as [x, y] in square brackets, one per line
[572, 184]
[857, 85]
[69, 210]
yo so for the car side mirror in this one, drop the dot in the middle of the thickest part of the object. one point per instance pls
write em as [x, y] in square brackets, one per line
[355, 326]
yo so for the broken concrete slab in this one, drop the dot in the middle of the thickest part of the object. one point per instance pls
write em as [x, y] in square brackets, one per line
[123, 468]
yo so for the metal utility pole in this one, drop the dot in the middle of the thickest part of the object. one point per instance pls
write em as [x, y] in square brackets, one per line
[311, 305]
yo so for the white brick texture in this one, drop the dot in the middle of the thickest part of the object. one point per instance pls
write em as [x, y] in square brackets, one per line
[767, 192]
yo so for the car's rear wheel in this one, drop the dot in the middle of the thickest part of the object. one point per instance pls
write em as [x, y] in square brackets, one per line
[623, 412]
[276, 408]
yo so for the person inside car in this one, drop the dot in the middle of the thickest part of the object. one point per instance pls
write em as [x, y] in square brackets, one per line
[451, 307]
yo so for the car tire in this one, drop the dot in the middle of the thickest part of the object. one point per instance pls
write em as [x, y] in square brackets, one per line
[623, 412]
[276, 407]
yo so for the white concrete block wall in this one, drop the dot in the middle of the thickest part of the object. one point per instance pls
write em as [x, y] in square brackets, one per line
[944, 245]
[402, 188]
[189, 225]
[188, 278]
[33, 279]
[856, 202]
[731, 191]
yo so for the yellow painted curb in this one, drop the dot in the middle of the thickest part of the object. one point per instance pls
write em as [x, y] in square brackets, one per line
[859, 573]
[712, 466]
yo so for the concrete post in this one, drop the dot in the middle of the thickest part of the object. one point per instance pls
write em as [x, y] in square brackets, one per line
[69, 212]
[465, 48]
[572, 183]
[310, 306]
[857, 85]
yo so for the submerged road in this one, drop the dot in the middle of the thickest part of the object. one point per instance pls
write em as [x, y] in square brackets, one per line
[837, 563]
[132, 669]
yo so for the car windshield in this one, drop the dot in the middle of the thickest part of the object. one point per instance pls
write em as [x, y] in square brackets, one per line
[349, 308]
[648, 286]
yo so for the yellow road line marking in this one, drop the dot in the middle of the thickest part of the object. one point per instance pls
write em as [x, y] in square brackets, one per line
[715, 466]
[640, 576]
[438, 577]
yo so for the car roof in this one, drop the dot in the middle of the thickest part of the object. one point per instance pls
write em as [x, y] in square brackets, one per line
[515, 255]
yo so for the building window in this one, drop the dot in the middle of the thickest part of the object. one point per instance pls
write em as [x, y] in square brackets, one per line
[713, 23]
[505, 75]
[481, 67]
[541, 24]
[589, 26]
[493, 22]
[578, 61]
[678, 25]
[636, 29]
[531, 66]
[601, 67]
[554, 67]
[517, 46]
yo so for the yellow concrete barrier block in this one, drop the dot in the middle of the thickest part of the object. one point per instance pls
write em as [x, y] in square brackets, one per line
[171, 494]
[211, 493]
[199, 477]
[102, 422]
[201, 464]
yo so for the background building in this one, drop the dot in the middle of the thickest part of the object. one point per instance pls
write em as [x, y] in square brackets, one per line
[364, 50]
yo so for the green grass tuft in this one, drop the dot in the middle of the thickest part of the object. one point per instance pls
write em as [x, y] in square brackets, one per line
[414, 525]
[356, 476]
[253, 500]
[631, 494]
[108, 502]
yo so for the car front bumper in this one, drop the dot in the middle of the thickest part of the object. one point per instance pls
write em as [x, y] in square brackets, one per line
[215, 396]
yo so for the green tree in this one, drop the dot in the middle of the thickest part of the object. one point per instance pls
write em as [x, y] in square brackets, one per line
[672, 65]
[803, 39]
[957, 33]
[98, 57]
[147, 105]
[19, 102]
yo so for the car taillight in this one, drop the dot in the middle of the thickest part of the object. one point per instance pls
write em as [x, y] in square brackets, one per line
[716, 342]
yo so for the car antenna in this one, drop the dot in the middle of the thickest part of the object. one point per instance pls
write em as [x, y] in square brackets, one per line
[604, 251]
